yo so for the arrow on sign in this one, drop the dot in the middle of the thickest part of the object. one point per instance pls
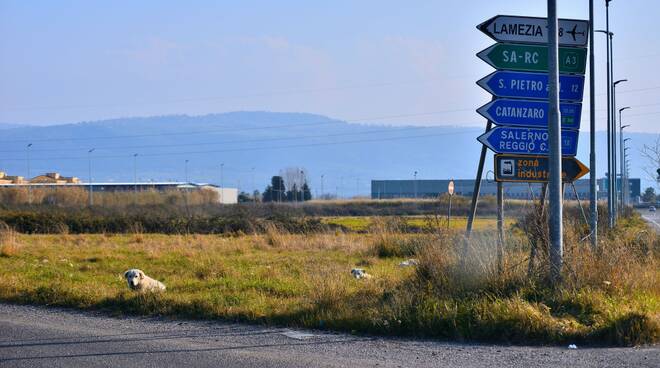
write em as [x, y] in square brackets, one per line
[533, 58]
[529, 113]
[503, 83]
[527, 141]
[510, 28]
[535, 169]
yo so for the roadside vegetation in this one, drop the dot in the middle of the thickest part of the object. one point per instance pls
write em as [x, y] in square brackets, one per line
[301, 277]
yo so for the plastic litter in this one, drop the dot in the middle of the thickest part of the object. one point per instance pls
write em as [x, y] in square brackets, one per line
[408, 263]
[572, 346]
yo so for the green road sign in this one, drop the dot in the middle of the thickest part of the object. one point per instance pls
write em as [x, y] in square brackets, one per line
[533, 58]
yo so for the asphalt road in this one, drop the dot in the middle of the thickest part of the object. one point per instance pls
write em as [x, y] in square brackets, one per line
[651, 217]
[43, 337]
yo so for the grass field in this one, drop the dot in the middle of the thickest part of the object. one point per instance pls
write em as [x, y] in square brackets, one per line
[363, 223]
[612, 297]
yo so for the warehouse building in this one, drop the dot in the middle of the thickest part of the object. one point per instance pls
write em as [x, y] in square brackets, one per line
[386, 189]
[55, 181]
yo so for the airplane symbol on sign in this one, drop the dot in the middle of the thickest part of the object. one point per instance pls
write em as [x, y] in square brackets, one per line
[574, 32]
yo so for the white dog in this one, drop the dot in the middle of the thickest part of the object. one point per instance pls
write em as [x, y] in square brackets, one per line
[138, 281]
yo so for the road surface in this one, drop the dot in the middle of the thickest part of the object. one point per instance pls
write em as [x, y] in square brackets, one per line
[651, 217]
[42, 337]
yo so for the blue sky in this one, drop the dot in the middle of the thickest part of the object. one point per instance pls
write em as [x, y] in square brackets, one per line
[363, 61]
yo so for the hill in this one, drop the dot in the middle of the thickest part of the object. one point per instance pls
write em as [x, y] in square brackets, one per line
[254, 146]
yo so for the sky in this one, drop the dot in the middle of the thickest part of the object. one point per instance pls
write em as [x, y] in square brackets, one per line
[386, 62]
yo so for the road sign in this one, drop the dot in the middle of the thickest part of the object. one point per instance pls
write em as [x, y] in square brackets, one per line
[529, 113]
[503, 83]
[533, 58]
[508, 28]
[527, 141]
[450, 187]
[535, 169]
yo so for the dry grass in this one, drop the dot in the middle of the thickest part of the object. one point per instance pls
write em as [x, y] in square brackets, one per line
[612, 296]
[9, 246]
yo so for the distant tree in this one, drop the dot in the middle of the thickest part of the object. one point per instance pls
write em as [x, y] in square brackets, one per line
[244, 197]
[293, 195]
[306, 192]
[256, 196]
[276, 191]
[649, 195]
[268, 194]
[652, 155]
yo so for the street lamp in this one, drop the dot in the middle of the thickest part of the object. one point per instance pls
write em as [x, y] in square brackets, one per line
[186, 170]
[89, 167]
[621, 127]
[135, 155]
[415, 183]
[625, 174]
[611, 181]
[28, 173]
[222, 177]
[322, 176]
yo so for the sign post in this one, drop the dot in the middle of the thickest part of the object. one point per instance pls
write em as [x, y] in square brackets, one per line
[555, 146]
[536, 136]
[450, 190]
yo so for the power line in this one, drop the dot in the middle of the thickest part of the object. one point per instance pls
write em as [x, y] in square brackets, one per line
[245, 149]
[235, 97]
[391, 130]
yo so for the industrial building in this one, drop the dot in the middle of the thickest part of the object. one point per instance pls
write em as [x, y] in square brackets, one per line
[386, 189]
[55, 180]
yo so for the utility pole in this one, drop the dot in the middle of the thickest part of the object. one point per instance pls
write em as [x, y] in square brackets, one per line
[186, 170]
[28, 174]
[135, 155]
[322, 176]
[554, 145]
[593, 186]
[415, 183]
[222, 178]
[91, 188]
[252, 183]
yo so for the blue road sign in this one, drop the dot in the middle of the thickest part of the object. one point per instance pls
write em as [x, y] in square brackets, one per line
[527, 141]
[529, 113]
[503, 83]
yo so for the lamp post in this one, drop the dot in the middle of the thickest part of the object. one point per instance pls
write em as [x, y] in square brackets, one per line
[186, 171]
[610, 181]
[322, 177]
[415, 183]
[89, 167]
[615, 153]
[28, 173]
[222, 177]
[621, 128]
[135, 155]
[626, 184]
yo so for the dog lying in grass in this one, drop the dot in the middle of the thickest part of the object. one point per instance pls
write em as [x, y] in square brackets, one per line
[138, 281]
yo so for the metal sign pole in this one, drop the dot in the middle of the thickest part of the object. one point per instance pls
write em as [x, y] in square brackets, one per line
[475, 199]
[593, 192]
[500, 227]
[554, 140]
[475, 192]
